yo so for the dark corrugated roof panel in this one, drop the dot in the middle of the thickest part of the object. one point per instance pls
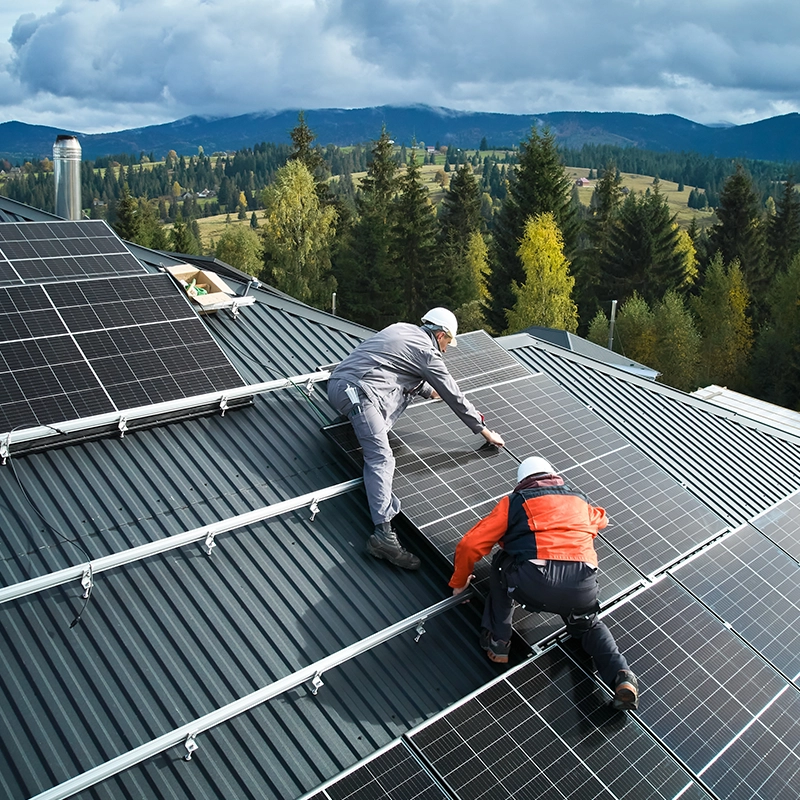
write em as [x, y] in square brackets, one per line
[738, 468]
[178, 635]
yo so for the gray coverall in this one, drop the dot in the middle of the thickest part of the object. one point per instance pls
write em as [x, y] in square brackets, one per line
[389, 369]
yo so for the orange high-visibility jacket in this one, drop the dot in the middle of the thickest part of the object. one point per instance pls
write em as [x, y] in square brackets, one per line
[552, 522]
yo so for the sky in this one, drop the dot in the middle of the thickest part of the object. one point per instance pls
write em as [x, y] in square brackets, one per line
[105, 65]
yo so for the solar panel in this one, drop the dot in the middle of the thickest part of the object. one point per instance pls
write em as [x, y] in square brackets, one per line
[46, 252]
[82, 348]
[755, 588]
[653, 519]
[782, 524]
[480, 361]
[546, 731]
[394, 774]
[726, 713]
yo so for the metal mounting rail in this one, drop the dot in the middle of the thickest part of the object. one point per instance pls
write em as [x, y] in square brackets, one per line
[206, 532]
[123, 418]
[188, 733]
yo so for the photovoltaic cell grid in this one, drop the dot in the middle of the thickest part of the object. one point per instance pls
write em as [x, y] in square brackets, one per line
[546, 731]
[755, 588]
[653, 520]
[395, 774]
[480, 361]
[81, 348]
[45, 252]
[782, 525]
[727, 714]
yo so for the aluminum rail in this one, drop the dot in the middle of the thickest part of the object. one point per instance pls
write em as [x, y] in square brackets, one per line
[207, 532]
[121, 418]
[187, 734]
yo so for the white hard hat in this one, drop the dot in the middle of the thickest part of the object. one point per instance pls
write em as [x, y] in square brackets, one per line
[535, 465]
[444, 319]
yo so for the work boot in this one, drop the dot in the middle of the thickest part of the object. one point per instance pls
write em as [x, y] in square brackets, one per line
[496, 649]
[626, 691]
[384, 544]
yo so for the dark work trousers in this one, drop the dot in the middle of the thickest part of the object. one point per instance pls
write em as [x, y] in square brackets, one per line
[566, 588]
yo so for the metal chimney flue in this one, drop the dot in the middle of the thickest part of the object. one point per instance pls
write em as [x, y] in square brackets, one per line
[67, 167]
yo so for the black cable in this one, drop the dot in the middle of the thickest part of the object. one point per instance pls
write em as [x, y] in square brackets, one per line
[76, 541]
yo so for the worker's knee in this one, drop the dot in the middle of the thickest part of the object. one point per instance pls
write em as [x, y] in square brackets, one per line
[581, 621]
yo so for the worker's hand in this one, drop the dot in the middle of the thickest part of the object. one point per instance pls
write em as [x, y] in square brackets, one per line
[435, 395]
[457, 592]
[493, 438]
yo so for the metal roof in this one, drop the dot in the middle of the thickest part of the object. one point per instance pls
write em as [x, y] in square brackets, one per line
[709, 450]
[175, 636]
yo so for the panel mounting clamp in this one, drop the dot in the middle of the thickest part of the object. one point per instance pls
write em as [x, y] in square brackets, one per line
[191, 745]
[223, 405]
[317, 683]
[122, 426]
[5, 448]
[209, 543]
[420, 629]
[314, 507]
[87, 581]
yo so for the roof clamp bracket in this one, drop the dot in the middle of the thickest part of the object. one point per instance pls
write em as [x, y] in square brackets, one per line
[310, 387]
[314, 508]
[191, 745]
[122, 426]
[420, 629]
[317, 683]
[223, 405]
[209, 542]
[5, 449]
[87, 581]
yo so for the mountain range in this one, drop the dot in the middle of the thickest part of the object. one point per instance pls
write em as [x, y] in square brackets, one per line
[774, 139]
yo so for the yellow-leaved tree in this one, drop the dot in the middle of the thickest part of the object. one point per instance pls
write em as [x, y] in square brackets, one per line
[545, 298]
[297, 233]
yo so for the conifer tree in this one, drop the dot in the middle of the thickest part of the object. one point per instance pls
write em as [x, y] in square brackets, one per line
[677, 345]
[471, 315]
[126, 216]
[739, 235]
[545, 297]
[727, 336]
[413, 245]
[241, 247]
[459, 218]
[539, 185]
[643, 253]
[369, 290]
[775, 371]
[635, 331]
[783, 231]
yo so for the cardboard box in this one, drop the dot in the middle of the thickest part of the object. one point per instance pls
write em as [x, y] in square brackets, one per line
[218, 293]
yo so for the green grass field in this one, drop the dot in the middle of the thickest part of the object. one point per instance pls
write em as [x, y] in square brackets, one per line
[212, 227]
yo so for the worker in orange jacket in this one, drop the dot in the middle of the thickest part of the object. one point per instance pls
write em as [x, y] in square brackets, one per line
[546, 562]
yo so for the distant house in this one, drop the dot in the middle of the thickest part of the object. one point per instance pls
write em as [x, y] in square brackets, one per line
[430, 149]
[583, 182]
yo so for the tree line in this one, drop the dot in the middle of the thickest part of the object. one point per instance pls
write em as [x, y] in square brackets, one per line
[510, 246]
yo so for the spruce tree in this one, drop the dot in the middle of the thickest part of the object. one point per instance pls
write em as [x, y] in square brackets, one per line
[413, 246]
[677, 345]
[643, 253]
[369, 290]
[126, 216]
[783, 231]
[739, 235]
[539, 185]
[459, 218]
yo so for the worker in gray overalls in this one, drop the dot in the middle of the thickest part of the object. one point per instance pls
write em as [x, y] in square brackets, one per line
[374, 385]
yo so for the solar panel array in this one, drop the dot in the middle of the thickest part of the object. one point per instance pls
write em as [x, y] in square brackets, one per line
[711, 630]
[75, 345]
[45, 252]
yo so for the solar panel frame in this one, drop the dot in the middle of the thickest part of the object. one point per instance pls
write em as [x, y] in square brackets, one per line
[781, 524]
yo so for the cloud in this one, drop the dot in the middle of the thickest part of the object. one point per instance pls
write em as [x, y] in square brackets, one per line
[115, 60]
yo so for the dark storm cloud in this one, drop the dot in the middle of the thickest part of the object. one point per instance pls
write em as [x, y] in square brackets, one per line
[146, 60]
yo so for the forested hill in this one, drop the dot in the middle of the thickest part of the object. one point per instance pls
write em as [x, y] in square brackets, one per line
[775, 139]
